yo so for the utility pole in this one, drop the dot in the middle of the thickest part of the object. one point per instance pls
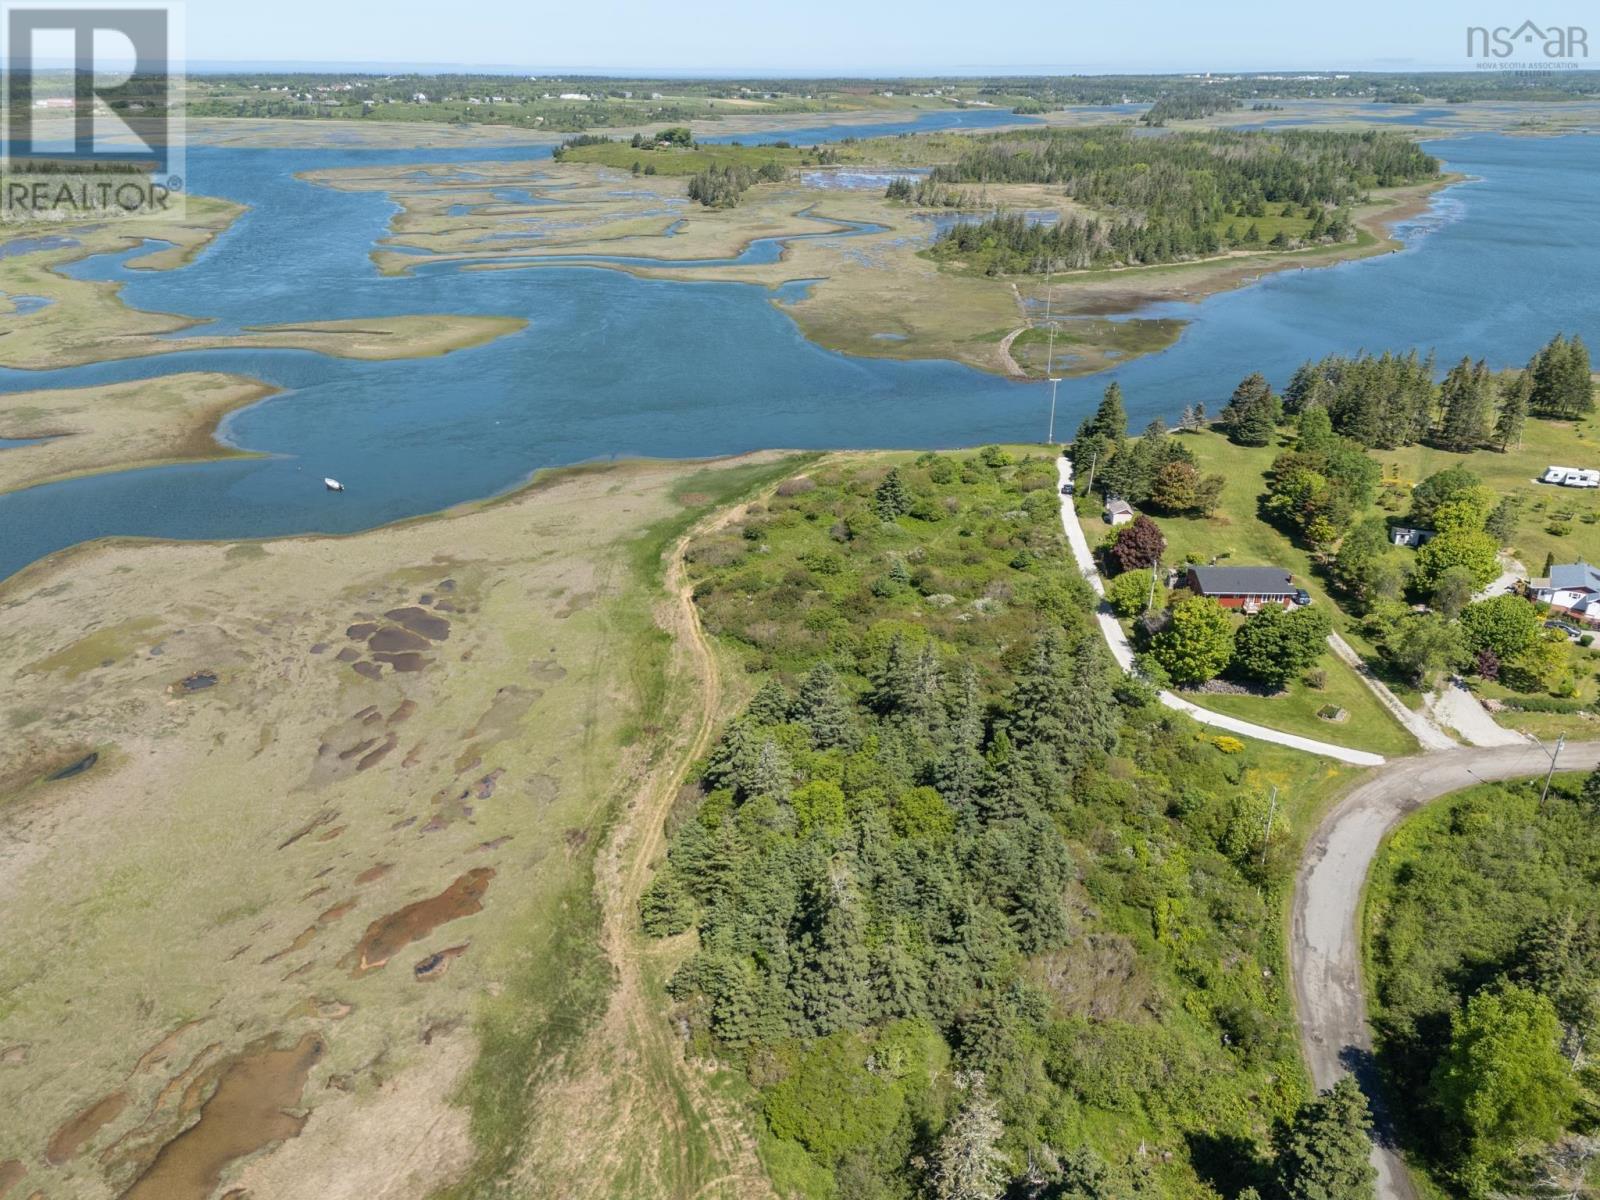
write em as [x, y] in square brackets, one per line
[1092, 464]
[1266, 834]
[1050, 351]
[1151, 602]
[1560, 742]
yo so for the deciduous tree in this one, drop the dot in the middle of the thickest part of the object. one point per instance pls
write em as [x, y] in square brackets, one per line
[1140, 543]
[1275, 645]
[1506, 625]
[1197, 643]
[1502, 1082]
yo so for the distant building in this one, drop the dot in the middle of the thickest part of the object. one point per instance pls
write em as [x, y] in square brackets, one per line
[1244, 587]
[1405, 535]
[1118, 512]
[1572, 588]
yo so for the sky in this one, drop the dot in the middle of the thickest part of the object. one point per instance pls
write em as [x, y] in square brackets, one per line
[821, 37]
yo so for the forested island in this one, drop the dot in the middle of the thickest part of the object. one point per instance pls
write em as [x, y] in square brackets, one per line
[1187, 107]
[1157, 200]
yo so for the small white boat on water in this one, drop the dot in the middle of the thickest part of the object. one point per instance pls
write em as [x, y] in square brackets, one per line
[333, 485]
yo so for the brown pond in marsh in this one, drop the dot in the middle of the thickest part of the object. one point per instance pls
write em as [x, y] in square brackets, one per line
[387, 936]
[391, 640]
[69, 1139]
[377, 871]
[11, 1173]
[243, 1115]
[419, 620]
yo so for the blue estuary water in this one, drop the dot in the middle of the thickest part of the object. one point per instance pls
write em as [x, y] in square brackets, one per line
[611, 365]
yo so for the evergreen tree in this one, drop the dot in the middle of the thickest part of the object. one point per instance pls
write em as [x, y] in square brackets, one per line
[1577, 377]
[1464, 399]
[894, 685]
[770, 704]
[771, 774]
[1590, 795]
[1561, 961]
[1560, 383]
[1501, 523]
[1252, 413]
[893, 498]
[895, 979]
[960, 772]
[968, 1164]
[1514, 397]
[824, 709]
[1041, 703]
[1110, 420]
[1095, 715]
[1325, 1153]
[829, 983]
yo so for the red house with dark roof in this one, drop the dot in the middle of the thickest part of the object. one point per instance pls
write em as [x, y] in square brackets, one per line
[1244, 587]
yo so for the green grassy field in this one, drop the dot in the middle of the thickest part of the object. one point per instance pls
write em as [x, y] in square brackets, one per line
[1574, 512]
[1367, 727]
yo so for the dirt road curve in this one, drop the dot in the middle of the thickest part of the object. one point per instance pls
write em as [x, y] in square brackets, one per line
[1325, 943]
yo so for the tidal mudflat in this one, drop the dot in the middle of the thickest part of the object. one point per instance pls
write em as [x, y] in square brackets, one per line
[274, 905]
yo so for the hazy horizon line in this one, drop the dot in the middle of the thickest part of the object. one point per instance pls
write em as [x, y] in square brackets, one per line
[216, 66]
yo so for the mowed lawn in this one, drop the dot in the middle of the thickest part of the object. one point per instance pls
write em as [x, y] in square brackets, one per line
[1515, 473]
[1237, 536]
[1556, 521]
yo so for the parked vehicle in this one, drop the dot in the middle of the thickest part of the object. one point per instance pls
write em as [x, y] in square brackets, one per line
[1555, 475]
[1302, 597]
[1582, 479]
[1572, 631]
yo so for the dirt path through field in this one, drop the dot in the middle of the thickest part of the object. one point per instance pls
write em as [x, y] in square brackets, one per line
[635, 1114]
